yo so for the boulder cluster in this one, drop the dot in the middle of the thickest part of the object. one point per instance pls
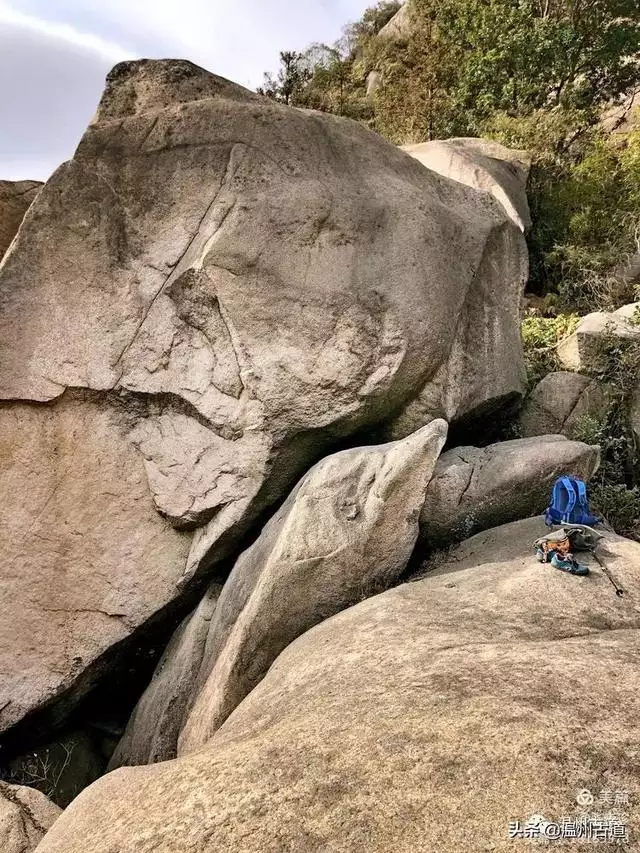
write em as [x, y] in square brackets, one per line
[255, 366]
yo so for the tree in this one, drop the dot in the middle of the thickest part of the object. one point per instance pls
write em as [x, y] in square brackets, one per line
[290, 81]
[332, 78]
[373, 20]
[532, 54]
[466, 60]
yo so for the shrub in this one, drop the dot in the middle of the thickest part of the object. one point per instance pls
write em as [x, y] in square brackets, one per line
[540, 337]
[614, 489]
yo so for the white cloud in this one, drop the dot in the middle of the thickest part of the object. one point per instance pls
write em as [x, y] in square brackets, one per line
[65, 33]
[58, 52]
[240, 39]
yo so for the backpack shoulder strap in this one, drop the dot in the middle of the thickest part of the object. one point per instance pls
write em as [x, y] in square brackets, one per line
[585, 516]
[581, 488]
[567, 485]
[563, 500]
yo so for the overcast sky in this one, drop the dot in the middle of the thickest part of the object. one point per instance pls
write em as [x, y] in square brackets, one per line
[54, 55]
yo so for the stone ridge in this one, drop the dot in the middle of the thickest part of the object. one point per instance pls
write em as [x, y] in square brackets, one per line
[144, 85]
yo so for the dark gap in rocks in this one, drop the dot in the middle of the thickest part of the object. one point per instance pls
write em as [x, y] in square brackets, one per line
[424, 560]
[487, 424]
[60, 751]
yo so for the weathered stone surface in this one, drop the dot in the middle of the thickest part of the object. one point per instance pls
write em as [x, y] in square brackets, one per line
[560, 402]
[628, 271]
[25, 816]
[399, 26]
[459, 390]
[15, 199]
[622, 118]
[346, 531]
[474, 488]
[586, 348]
[85, 559]
[374, 78]
[426, 718]
[502, 172]
[484, 165]
[152, 733]
[282, 278]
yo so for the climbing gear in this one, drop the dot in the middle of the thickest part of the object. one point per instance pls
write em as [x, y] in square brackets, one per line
[568, 563]
[556, 547]
[553, 549]
[583, 537]
[569, 503]
[607, 572]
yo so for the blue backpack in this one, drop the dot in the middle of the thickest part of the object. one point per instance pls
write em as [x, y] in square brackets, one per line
[569, 504]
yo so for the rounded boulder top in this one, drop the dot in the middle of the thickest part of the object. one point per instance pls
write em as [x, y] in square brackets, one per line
[142, 85]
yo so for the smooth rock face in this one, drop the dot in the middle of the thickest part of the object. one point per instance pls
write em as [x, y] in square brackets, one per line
[85, 559]
[15, 199]
[586, 348]
[274, 279]
[425, 718]
[152, 733]
[400, 25]
[560, 402]
[346, 531]
[488, 166]
[483, 165]
[25, 816]
[474, 488]
[458, 391]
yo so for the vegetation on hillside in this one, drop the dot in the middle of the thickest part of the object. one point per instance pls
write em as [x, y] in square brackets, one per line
[533, 74]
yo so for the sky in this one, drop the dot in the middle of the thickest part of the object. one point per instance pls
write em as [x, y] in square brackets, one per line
[54, 55]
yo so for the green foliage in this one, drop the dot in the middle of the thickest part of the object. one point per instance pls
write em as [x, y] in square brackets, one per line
[615, 489]
[527, 55]
[533, 74]
[612, 493]
[464, 61]
[621, 506]
[540, 337]
[290, 81]
[373, 20]
[332, 78]
[587, 218]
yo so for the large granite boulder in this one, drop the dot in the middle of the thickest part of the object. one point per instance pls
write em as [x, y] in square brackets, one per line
[282, 278]
[561, 402]
[346, 532]
[234, 286]
[25, 817]
[484, 165]
[85, 558]
[475, 488]
[426, 718]
[500, 174]
[15, 200]
[589, 347]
